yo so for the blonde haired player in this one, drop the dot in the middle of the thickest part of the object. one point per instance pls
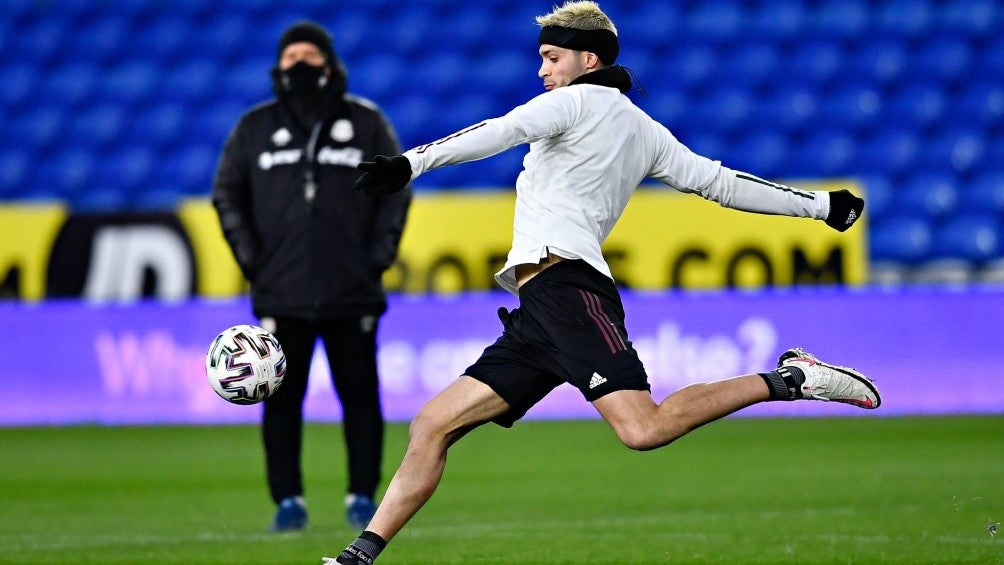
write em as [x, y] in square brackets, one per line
[590, 147]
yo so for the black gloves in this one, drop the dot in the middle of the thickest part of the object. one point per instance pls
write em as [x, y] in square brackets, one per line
[384, 175]
[845, 209]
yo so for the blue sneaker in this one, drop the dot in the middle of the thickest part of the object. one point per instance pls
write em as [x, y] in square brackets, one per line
[291, 516]
[359, 510]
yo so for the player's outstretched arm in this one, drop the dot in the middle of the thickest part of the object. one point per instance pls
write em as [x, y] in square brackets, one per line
[384, 175]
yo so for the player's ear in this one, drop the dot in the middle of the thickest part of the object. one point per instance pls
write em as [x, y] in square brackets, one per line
[593, 61]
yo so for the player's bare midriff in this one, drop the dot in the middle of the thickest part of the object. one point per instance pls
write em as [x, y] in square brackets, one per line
[527, 271]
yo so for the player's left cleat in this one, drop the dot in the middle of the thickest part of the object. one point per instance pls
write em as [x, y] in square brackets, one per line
[831, 383]
[359, 510]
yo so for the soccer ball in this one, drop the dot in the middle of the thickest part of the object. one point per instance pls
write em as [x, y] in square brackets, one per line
[245, 364]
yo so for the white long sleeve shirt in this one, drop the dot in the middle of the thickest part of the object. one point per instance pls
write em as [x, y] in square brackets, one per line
[590, 147]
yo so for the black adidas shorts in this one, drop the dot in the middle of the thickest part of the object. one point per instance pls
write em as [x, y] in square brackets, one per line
[569, 327]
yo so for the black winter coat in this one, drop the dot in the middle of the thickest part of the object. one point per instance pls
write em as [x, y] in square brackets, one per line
[309, 256]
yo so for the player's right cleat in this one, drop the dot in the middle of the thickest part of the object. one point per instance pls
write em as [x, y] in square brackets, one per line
[291, 516]
[831, 382]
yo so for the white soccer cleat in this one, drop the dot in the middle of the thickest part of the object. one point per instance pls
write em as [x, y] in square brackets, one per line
[831, 383]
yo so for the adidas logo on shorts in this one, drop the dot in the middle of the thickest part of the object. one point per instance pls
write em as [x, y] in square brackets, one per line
[596, 381]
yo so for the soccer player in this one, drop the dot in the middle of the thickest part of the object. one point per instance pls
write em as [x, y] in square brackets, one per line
[590, 147]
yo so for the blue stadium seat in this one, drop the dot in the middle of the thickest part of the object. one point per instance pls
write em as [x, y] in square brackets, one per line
[43, 40]
[692, 64]
[248, 81]
[466, 110]
[828, 152]
[880, 61]
[817, 61]
[762, 152]
[16, 171]
[99, 200]
[159, 126]
[407, 32]
[652, 25]
[976, 238]
[985, 194]
[904, 18]
[903, 238]
[513, 76]
[68, 172]
[212, 124]
[468, 28]
[889, 150]
[724, 109]
[839, 18]
[934, 195]
[991, 60]
[379, 77]
[788, 107]
[40, 127]
[854, 106]
[192, 167]
[165, 36]
[129, 168]
[880, 197]
[98, 126]
[782, 20]
[917, 104]
[101, 40]
[956, 149]
[19, 84]
[226, 35]
[156, 198]
[193, 80]
[440, 73]
[130, 83]
[972, 18]
[670, 107]
[71, 83]
[717, 21]
[980, 104]
[753, 63]
[947, 59]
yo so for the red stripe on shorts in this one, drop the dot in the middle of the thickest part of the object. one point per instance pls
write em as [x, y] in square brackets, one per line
[603, 322]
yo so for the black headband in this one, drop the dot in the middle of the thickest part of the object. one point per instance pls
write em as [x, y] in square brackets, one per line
[603, 42]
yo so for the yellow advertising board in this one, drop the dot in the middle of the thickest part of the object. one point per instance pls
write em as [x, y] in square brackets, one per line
[27, 233]
[456, 240]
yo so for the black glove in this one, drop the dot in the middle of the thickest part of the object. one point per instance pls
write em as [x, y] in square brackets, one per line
[845, 209]
[384, 175]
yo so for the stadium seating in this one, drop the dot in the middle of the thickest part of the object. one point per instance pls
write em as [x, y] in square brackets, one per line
[124, 104]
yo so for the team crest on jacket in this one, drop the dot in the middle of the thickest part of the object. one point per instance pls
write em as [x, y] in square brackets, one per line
[342, 131]
[281, 137]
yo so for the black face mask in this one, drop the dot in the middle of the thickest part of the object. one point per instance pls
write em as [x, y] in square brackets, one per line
[300, 79]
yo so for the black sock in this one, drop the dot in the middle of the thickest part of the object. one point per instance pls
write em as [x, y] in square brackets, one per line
[785, 383]
[365, 549]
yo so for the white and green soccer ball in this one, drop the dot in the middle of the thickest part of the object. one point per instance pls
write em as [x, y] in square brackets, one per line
[245, 364]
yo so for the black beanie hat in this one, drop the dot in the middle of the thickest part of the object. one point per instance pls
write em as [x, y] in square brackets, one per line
[311, 32]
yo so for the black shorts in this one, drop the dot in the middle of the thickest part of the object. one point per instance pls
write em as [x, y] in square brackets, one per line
[569, 327]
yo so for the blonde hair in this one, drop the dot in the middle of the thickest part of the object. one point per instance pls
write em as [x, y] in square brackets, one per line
[581, 14]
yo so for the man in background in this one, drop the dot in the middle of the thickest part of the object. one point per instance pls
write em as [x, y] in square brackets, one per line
[314, 251]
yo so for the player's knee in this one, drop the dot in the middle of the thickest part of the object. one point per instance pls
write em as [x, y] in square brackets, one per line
[640, 438]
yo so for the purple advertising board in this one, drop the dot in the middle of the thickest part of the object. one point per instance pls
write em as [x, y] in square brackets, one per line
[931, 351]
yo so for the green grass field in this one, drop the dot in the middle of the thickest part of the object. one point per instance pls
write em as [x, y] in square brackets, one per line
[882, 490]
